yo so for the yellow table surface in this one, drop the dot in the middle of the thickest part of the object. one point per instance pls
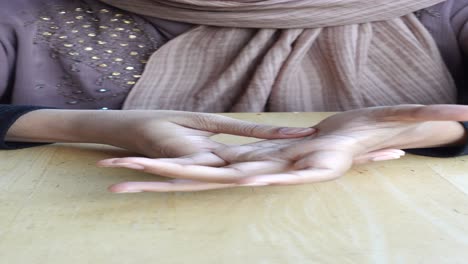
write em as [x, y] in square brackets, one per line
[54, 208]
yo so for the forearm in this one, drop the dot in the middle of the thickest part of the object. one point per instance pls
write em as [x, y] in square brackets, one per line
[53, 125]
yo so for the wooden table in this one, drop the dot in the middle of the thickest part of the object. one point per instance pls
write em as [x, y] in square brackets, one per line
[54, 208]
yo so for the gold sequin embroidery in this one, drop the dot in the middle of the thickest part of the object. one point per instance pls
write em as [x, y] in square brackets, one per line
[111, 42]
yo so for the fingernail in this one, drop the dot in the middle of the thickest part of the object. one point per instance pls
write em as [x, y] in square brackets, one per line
[384, 158]
[130, 166]
[254, 184]
[294, 131]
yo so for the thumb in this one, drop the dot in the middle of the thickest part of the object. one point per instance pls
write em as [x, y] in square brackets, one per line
[222, 124]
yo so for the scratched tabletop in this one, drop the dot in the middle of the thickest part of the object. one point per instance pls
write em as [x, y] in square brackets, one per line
[54, 208]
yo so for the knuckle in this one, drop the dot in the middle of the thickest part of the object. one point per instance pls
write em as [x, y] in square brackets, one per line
[249, 129]
[206, 121]
[252, 129]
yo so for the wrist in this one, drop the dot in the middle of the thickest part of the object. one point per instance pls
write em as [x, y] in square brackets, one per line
[439, 134]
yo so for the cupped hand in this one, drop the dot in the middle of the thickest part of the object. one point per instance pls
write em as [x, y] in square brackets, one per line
[168, 134]
[343, 139]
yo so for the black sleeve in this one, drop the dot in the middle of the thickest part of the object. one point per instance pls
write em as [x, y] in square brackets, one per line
[8, 116]
[460, 23]
[446, 152]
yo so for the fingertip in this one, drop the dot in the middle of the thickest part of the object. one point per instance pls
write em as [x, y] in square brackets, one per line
[400, 152]
[386, 157]
[105, 162]
[122, 188]
[131, 166]
[113, 161]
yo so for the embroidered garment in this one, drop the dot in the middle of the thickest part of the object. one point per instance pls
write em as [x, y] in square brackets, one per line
[74, 54]
[37, 69]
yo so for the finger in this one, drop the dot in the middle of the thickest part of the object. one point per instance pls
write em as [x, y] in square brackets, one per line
[222, 124]
[418, 113]
[226, 174]
[168, 186]
[204, 159]
[379, 155]
[174, 170]
[292, 177]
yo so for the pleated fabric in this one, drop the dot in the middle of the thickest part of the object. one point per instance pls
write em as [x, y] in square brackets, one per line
[291, 55]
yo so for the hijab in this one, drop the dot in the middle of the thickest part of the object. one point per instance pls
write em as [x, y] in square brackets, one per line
[291, 55]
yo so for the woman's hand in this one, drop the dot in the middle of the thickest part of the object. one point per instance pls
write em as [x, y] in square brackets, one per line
[152, 133]
[341, 140]
[240, 160]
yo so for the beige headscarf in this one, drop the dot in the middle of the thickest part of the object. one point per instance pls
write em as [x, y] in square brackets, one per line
[291, 55]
